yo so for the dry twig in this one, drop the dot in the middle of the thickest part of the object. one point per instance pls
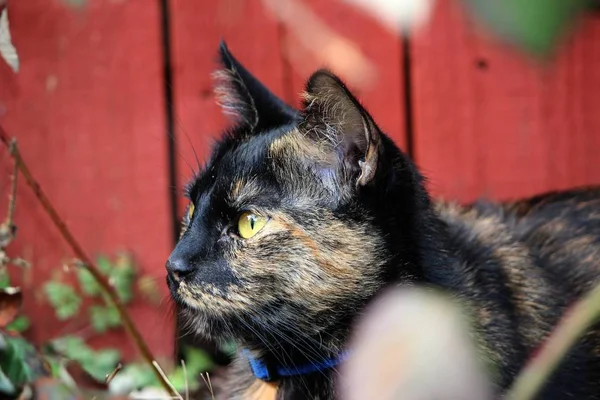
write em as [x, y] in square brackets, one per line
[106, 287]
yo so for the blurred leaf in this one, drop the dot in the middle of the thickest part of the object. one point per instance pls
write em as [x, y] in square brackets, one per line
[534, 25]
[132, 377]
[229, 348]
[87, 282]
[149, 289]
[10, 305]
[196, 360]
[104, 265]
[4, 279]
[98, 319]
[13, 363]
[63, 298]
[122, 277]
[103, 318]
[104, 363]
[96, 363]
[19, 324]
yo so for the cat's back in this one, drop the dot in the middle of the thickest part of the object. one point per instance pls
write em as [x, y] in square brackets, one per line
[562, 230]
[559, 231]
[520, 265]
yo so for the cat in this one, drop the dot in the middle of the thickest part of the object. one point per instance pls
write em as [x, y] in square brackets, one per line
[301, 217]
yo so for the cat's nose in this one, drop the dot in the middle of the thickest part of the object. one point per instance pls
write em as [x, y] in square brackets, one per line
[178, 268]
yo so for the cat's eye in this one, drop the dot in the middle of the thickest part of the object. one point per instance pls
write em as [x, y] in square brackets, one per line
[190, 212]
[249, 224]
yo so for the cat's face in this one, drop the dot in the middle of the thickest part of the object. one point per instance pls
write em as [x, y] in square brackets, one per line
[277, 237]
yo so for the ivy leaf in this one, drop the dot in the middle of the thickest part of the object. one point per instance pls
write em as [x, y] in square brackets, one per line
[19, 324]
[103, 318]
[132, 377]
[96, 363]
[88, 284]
[13, 363]
[122, 277]
[98, 319]
[104, 265]
[4, 279]
[196, 360]
[104, 363]
[63, 298]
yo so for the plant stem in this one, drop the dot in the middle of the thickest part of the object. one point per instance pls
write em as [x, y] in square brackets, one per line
[573, 326]
[130, 327]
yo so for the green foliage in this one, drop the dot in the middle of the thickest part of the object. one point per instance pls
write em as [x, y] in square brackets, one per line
[14, 371]
[104, 318]
[137, 375]
[20, 324]
[97, 363]
[122, 277]
[87, 283]
[4, 279]
[63, 298]
[533, 25]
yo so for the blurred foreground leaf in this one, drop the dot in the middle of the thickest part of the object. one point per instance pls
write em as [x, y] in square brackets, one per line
[97, 363]
[533, 25]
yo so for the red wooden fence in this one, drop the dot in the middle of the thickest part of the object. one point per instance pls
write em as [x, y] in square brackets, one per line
[89, 110]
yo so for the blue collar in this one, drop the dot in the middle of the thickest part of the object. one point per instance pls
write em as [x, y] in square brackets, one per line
[267, 372]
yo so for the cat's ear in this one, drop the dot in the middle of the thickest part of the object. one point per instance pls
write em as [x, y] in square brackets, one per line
[333, 116]
[244, 97]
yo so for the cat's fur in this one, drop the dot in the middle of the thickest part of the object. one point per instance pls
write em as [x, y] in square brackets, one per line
[349, 215]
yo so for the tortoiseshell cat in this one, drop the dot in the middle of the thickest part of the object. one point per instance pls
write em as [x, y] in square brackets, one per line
[301, 217]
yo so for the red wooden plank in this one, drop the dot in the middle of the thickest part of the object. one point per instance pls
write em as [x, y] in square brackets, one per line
[197, 26]
[384, 98]
[489, 121]
[88, 112]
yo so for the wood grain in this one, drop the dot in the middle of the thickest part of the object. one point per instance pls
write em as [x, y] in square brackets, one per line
[489, 121]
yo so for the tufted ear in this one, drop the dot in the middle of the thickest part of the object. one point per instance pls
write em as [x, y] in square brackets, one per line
[334, 117]
[244, 97]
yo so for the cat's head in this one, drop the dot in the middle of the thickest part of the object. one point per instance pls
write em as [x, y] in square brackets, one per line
[298, 218]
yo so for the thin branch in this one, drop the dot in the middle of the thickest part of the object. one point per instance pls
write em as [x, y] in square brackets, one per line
[572, 327]
[12, 200]
[106, 287]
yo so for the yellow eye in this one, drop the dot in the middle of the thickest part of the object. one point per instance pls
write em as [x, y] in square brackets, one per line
[190, 212]
[250, 224]
[186, 220]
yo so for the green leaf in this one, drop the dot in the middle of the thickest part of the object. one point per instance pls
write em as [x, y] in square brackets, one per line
[13, 362]
[98, 318]
[534, 25]
[20, 324]
[104, 265]
[73, 348]
[63, 298]
[4, 279]
[103, 318]
[196, 360]
[96, 363]
[113, 317]
[122, 278]
[132, 377]
[104, 363]
[87, 282]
